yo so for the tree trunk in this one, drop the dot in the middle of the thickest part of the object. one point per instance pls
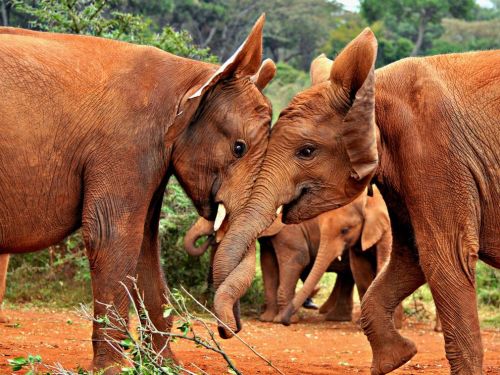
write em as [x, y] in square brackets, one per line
[3, 10]
[420, 36]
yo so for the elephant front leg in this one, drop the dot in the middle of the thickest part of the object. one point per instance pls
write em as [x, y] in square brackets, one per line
[341, 309]
[113, 239]
[270, 276]
[399, 279]
[288, 281]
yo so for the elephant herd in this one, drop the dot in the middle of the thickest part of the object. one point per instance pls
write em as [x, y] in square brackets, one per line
[92, 129]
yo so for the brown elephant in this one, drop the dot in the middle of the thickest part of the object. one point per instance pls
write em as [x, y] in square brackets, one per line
[426, 132]
[91, 131]
[283, 247]
[361, 231]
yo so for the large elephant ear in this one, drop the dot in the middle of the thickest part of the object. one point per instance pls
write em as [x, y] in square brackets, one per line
[377, 220]
[353, 72]
[244, 62]
[320, 69]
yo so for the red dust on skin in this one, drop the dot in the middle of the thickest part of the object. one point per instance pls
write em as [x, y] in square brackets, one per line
[312, 347]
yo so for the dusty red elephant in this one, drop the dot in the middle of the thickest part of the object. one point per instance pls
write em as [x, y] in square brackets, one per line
[92, 129]
[426, 131]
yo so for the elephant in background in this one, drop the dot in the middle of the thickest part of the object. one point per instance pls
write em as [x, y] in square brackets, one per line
[425, 131]
[91, 131]
[359, 232]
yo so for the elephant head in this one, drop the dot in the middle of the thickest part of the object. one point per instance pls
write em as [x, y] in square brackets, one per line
[365, 221]
[321, 155]
[220, 136]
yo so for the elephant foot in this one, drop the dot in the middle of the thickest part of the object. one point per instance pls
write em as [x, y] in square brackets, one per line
[391, 355]
[280, 318]
[268, 315]
[339, 316]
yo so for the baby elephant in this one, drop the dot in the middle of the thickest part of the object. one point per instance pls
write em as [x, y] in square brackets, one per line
[362, 229]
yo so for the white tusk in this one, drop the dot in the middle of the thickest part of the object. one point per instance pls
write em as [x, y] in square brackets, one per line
[278, 211]
[221, 215]
[339, 258]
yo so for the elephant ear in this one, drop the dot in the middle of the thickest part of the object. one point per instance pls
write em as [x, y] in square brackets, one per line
[353, 72]
[377, 220]
[320, 69]
[244, 62]
[265, 74]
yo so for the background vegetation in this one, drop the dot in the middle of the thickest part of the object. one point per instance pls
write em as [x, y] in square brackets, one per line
[296, 31]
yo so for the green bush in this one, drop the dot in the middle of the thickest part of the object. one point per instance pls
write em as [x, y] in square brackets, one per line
[287, 82]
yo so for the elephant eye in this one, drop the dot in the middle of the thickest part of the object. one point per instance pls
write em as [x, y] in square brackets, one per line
[239, 148]
[344, 230]
[306, 152]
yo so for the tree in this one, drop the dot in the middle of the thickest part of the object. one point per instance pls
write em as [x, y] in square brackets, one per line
[415, 20]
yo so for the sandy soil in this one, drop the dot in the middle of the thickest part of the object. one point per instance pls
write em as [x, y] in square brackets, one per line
[311, 347]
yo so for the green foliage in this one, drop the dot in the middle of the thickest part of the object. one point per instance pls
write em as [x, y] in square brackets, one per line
[178, 214]
[287, 83]
[100, 18]
[488, 285]
[30, 363]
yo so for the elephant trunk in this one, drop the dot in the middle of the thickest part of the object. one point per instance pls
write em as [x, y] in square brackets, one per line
[326, 254]
[234, 265]
[202, 227]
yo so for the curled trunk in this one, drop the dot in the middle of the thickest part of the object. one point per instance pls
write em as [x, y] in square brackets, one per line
[201, 228]
[234, 265]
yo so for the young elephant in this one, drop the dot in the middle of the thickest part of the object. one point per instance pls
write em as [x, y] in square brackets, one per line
[362, 229]
[426, 132]
[91, 131]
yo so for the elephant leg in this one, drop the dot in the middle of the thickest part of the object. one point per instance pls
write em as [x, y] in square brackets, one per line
[4, 265]
[270, 276]
[362, 269]
[451, 278]
[341, 311]
[151, 282]
[401, 277]
[289, 276]
[113, 240]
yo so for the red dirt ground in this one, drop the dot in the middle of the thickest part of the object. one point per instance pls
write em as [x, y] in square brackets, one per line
[311, 347]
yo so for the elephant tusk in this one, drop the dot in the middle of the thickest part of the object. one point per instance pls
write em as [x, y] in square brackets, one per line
[278, 211]
[339, 258]
[221, 215]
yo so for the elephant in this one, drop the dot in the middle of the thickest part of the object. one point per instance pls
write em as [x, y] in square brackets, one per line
[92, 130]
[361, 230]
[426, 132]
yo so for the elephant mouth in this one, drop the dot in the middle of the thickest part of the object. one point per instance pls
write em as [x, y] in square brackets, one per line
[291, 210]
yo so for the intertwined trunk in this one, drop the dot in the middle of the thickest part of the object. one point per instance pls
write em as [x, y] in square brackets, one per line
[234, 265]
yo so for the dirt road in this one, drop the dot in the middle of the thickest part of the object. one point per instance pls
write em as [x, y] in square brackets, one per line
[311, 347]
